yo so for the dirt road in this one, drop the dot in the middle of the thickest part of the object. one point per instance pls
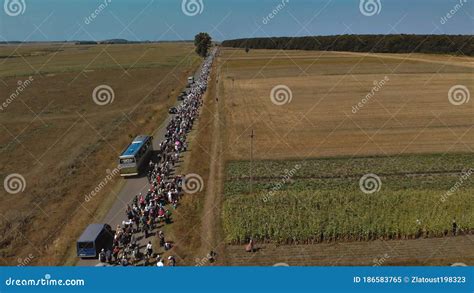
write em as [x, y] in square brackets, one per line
[213, 197]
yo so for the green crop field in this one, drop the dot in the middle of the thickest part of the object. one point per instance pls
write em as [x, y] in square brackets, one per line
[320, 199]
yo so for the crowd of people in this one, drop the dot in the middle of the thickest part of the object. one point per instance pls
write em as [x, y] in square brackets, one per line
[149, 210]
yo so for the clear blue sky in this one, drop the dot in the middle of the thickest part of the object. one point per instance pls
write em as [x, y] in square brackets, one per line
[48, 20]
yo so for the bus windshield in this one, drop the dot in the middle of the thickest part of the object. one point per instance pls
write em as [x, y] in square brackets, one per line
[83, 245]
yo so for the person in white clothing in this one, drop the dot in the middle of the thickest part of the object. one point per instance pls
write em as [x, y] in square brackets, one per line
[159, 263]
[149, 249]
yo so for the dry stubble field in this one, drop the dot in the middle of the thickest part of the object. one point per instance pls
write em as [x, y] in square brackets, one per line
[64, 144]
[410, 114]
[408, 122]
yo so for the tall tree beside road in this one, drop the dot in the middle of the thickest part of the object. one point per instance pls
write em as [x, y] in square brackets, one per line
[203, 42]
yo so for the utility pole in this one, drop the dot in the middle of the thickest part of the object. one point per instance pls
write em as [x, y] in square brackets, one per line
[251, 162]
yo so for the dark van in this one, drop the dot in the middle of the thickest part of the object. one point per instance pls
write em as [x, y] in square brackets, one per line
[93, 239]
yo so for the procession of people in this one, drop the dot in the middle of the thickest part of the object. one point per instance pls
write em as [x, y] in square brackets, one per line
[153, 209]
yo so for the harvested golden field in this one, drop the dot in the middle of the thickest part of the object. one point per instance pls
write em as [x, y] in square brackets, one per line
[62, 142]
[345, 104]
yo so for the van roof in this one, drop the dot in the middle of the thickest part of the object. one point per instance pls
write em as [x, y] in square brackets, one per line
[91, 232]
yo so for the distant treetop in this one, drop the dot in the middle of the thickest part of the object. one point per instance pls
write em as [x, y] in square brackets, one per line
[203, 42]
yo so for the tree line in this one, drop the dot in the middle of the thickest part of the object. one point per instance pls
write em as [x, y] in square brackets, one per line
[435, 44]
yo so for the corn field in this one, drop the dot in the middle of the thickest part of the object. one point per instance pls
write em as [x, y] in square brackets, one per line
[309, 217]
[320, 199]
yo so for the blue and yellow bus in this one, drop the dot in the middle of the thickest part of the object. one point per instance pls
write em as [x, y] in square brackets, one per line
[136, 155]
